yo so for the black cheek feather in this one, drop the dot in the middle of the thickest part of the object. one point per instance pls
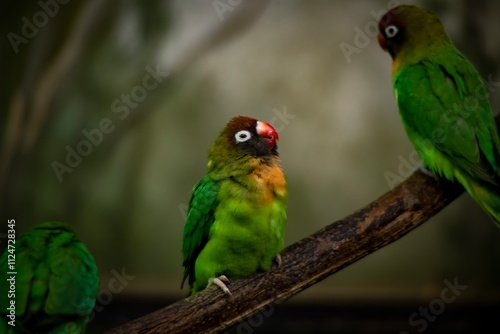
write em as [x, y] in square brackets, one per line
[395, 44]
[256, 147]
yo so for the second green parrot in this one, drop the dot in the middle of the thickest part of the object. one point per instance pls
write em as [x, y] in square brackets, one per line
[52, 279]
[237, 212]
[443, 104]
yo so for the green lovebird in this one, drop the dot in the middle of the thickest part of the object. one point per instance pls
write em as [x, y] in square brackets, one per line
[237, 213]
[55, 282]
[443, 104]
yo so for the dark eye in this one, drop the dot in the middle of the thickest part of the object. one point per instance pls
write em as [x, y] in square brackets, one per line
[391, 31]
[242, 136]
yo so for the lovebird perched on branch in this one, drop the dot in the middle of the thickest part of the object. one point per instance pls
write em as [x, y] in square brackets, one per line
[237, 212]
[56, 283]
[443, 104]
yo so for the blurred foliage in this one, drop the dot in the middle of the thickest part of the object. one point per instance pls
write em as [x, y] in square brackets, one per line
[127, 197]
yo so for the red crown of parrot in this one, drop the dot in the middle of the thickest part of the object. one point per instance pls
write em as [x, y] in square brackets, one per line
[267, 132]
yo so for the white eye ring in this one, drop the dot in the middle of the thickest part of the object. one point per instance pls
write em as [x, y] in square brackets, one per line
[391, 31]
[242, 136]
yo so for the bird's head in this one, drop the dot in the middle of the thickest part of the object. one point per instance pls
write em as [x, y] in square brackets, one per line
[253, 137]
[243, 137]
[410, 31]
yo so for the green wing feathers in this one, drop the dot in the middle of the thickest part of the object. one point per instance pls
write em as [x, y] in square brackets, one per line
[199, 220]
[56, 281]
[446, 112]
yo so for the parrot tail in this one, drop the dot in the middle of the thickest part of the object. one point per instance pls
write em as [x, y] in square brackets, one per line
[487, 196]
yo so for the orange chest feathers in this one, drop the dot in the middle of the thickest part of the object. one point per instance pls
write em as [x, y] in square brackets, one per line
[269, 180]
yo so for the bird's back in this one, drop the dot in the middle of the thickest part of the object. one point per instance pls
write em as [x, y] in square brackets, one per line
[56, 281]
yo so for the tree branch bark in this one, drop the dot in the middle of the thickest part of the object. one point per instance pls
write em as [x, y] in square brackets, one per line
[306, 262]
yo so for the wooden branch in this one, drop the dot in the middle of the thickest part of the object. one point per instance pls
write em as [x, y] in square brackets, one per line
[306, 262]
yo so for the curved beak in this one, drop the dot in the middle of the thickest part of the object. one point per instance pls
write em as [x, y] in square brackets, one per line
[267, 132]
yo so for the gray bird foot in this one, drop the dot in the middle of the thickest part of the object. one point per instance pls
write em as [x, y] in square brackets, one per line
[278, 260]
[219, 281]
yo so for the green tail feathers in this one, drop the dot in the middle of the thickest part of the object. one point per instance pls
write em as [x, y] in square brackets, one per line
[487, 196]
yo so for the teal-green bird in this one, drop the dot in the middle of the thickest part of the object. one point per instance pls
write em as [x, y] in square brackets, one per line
[443, 104]
[237, 212]
[56, 283]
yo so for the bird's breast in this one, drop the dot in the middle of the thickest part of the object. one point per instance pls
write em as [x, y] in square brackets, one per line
[269, 181]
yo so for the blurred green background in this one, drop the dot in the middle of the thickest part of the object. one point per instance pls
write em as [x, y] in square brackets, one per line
[153, 82]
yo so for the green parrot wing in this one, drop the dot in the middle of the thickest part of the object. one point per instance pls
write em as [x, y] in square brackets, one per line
[449, 105]
[57, 279]
[200, 217]
[74, 280]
